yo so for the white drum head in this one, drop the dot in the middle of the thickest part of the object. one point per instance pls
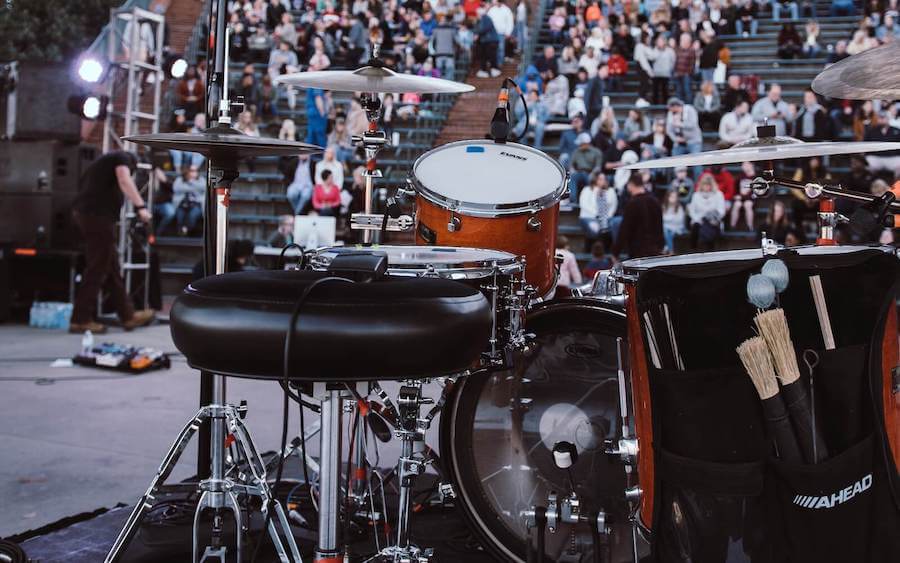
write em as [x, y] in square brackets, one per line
[488, 174]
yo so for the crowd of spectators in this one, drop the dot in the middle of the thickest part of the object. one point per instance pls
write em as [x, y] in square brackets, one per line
[686, 99]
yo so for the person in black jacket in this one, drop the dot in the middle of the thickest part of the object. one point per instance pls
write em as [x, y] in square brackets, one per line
[641, 231]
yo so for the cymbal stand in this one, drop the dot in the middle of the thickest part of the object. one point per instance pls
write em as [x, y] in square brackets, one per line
[827, 217]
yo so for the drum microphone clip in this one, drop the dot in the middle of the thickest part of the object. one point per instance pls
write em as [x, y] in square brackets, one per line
[500, 121]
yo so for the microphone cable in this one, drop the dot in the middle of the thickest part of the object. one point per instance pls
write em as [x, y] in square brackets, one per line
[518, 90]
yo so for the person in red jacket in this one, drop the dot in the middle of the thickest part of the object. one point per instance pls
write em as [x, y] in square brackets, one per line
[724, 179]
[618, 67]
[326, 198]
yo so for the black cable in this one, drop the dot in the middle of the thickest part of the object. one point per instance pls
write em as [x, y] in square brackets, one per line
[288, 337]
[298, 398]
[515, 85]
[352, 441]
[303, 459]
[285, 249]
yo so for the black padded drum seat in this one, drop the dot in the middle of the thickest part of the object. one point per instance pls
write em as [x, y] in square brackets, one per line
[395, 328]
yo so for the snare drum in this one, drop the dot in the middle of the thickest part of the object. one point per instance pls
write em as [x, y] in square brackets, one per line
[499, 275]
[704, 460]
[488, 195]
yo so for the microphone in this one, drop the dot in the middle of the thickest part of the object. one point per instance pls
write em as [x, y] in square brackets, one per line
[500, 121]
[871, 216]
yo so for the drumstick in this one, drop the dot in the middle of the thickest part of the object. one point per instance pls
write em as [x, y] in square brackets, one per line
[651, 341]
[818, 293]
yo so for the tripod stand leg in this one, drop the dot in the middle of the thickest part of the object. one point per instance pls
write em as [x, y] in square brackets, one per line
[146, 502]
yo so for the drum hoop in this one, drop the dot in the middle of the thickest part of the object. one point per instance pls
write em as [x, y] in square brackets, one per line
[490, 210]
[470, 269]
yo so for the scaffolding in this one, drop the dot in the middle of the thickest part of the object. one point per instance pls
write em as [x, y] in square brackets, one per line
[135, 54]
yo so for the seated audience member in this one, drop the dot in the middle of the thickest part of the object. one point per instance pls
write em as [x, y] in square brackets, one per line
[597, 205]
[774, 110]
[191, 93]
[298, 171]
[811, 47]
[599, 261]
[657, 143]
[674, 220]
[636, 125]
[538, 114]
[569, 274]
[777, 225]
[708, 106]
[811, 123]
[585, 160]
[889, 30]
[791, 5]
[724, 181]
[326, 198]
[734, 93]
[682, 184]
[881, 130]
[736, 126]
[567, 141]
[341, 140]
[190, 188]
[181, 159]
[284, 234]
[803, 209]
[618, 67]
[706, 211]
[163, 206]
[840, 53]
[640, 233]
[746, 23]
[789, 43]
[743, 197]
[556, 94]
[329, 162]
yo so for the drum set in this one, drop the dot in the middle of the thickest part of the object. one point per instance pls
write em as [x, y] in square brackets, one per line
[605, 427]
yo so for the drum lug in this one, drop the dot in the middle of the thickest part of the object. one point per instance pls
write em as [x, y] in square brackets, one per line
[454, 225]
[633, 494]
[533, 224]
[446, 492]
[627, 448]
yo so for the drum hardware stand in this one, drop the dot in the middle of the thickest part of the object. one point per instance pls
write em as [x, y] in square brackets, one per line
[218, 493]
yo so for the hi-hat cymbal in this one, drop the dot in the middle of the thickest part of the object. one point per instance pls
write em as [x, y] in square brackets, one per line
[223, 144]
[373, 79]
[764, 148]
[870, 75]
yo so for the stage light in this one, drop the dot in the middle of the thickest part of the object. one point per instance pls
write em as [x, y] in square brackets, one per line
[90, 70]
[88, 107]
[179, 67]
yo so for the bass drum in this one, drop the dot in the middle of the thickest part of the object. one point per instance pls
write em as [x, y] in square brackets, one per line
[498, 431]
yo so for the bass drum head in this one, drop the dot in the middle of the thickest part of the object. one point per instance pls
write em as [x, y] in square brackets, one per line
[499, 456]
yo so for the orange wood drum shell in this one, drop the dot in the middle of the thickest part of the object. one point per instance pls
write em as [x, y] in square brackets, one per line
[508, 233]
[890, 358]
[640, 391]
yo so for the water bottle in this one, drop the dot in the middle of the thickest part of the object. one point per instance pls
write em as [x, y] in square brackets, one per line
[42, 315]
[32, 315]
[87, 344]
[66, 316]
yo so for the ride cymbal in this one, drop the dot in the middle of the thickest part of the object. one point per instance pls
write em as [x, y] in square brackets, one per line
[222, 142]
[373, 79]
[870, 75]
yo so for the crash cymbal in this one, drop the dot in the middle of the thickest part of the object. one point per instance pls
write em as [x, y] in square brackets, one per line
[764, 148]
[223, 144]
[373, 79]
[870, 75]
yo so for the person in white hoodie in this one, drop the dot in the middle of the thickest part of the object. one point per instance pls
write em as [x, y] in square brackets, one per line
[736, 126]
[597, 204]
[706, 210]
[644, 55]
[504, 24]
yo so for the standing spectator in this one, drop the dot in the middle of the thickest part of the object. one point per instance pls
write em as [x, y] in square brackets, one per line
[773, 109]
[192, 191]
[709, 55]
[746, 18]
[594, 94]
[674, 220]
[191, 93]
[597, 205]
[736, 126]
[521, 29]
[789, 43]
[811, 123]
[504, 24]
[443, 41]
[706, 210]
[316, 117]
[743, 199]
[811, 47]
[641, 231]
[330, 163]
[644, 55]
[791, 5]
[685, 61]
[486, 39]
[708, 106]
[568, 141]
[663, 66]
[569, 274]
[584, 161]
[326, 198]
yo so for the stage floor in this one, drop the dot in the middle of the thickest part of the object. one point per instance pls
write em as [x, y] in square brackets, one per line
[82, 438]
